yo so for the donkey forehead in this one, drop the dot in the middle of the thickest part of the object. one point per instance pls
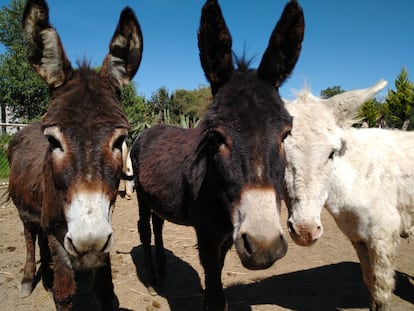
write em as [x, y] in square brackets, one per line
[86, 100]
[86, 135]
[313, 118]
[248, 101]
[314, 130]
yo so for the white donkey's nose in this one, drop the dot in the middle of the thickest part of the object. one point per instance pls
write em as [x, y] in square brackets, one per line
[303, 233]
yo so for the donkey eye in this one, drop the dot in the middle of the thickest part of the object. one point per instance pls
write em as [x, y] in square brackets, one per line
[285, 135]
[224, 151]
[54, 143]
[220, 144]
[332, 155]
[55, 138]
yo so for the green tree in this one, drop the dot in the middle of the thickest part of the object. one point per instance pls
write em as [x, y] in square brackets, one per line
[137, 109]
[20, 88]
[160, 102]
[134, 106]
[192, 103]
[399, 103]
[371, 112]
[331, 91]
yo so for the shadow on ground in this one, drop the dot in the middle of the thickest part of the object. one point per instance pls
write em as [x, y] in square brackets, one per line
[324, 288]
[181, 286]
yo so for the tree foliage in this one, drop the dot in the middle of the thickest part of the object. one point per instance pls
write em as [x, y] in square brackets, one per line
[20, 88]
[370, 112]
[192, 103]
[331, 91]
[399, 104]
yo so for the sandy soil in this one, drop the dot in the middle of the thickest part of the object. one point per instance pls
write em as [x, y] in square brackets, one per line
[325, 276]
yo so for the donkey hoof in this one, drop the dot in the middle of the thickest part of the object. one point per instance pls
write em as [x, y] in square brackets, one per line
[26, 289]
[151, 291]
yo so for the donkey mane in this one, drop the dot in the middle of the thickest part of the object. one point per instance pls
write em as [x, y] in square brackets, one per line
[243, 63]
[84, 68]
[305, 95]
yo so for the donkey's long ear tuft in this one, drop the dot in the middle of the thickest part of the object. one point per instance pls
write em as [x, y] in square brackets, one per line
[346, 105]
[214, 43]
[125, 50]
[46, 54]
[284, 46]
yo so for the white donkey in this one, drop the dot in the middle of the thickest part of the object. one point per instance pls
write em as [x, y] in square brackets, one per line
[365, 178]
[127, 179]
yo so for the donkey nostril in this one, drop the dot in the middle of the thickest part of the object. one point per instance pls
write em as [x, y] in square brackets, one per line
[291, 228]
[72, 246]
[107, 243]
[246, 243]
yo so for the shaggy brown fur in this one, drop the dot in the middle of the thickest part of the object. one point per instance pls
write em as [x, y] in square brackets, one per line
[72, 155]
[204, 177]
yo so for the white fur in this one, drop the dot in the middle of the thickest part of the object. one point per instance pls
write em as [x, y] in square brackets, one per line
[258, 216]
[367, 186]
[128, 185]
[89, 221]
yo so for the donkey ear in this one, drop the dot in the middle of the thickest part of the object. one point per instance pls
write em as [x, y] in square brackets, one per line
[125, 50]
[46, 54]
[214, 43]
[284, 46]
[347, 104]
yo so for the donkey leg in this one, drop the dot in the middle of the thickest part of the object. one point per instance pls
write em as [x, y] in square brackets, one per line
[144, 229]
[122, 188]
[212, 259]
[378, 274]
[104, 288]
[46, 262]
[157, 224]
[30, 232]
[382, 254]
[129, 189]
[364, 261]
[224, 249]
[64, 285]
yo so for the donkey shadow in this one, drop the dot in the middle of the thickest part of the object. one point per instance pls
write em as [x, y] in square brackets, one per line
[331, 287]
[181, 286]
[84, 298]
[324, 288]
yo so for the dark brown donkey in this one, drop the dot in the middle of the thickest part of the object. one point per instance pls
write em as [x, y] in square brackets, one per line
[65, 170]
[224, 177]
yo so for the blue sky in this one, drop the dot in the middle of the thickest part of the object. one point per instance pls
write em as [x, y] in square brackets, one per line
[349, 43]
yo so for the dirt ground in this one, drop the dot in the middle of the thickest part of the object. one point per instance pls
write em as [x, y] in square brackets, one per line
[325, 276]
